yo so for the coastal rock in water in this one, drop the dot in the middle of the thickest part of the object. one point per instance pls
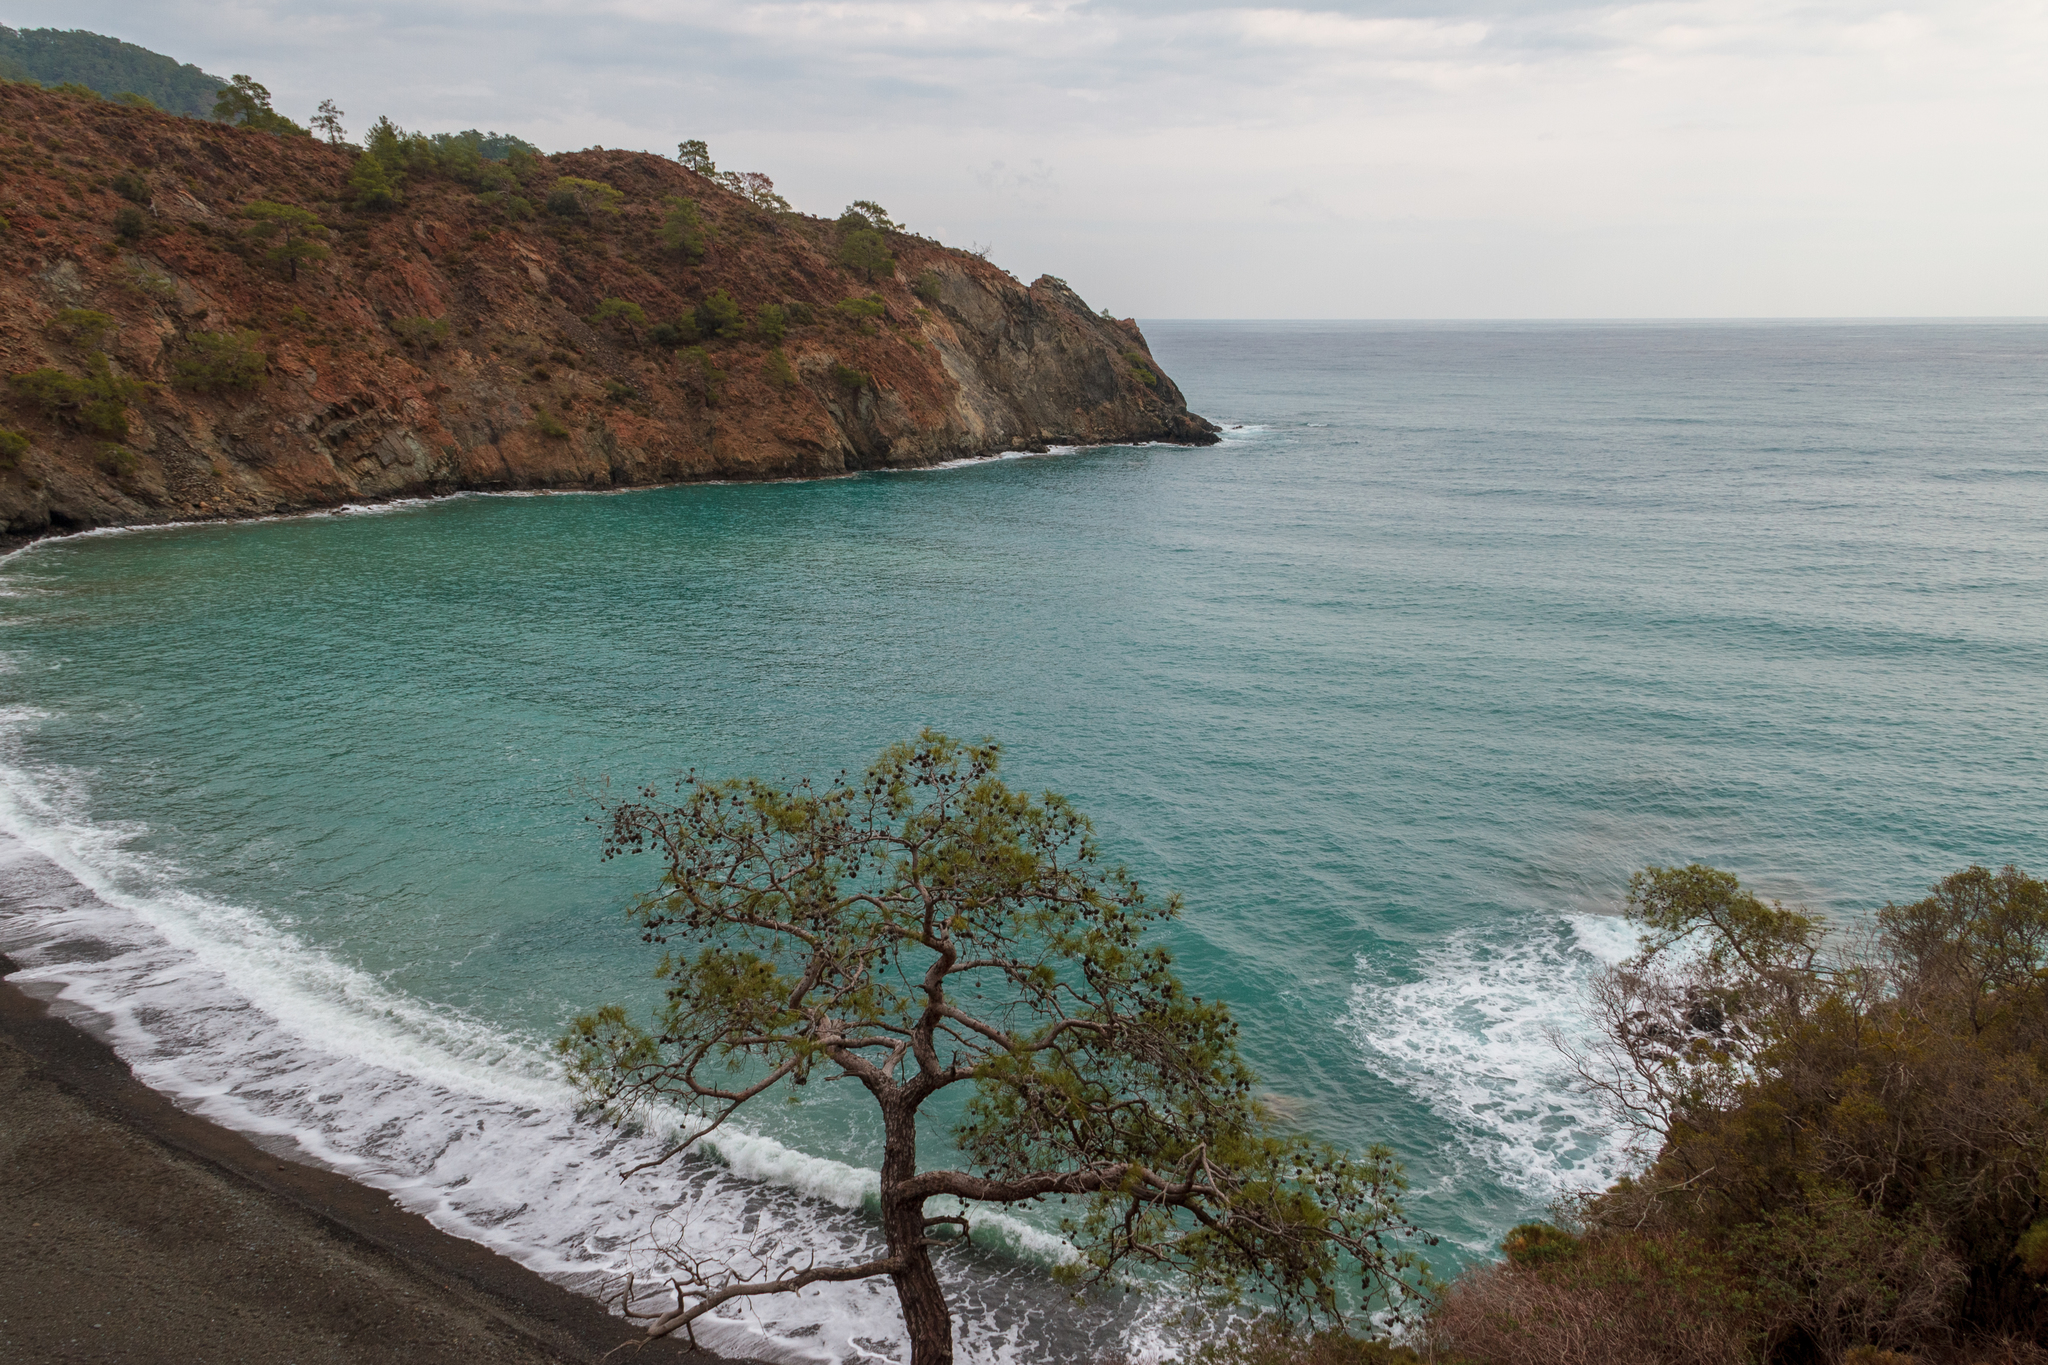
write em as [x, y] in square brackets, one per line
[457, 341]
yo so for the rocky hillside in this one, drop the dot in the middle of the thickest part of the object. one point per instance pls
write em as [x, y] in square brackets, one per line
[558, 322]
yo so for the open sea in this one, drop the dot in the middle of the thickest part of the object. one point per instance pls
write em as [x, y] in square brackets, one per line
[1459, 625]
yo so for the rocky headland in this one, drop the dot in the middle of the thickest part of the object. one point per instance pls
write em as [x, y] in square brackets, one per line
[486, 329]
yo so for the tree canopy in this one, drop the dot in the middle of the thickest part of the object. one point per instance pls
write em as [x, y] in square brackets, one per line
[107, 65]
[924, 927]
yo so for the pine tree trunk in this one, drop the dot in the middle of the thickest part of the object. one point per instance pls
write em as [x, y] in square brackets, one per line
[925, 1314]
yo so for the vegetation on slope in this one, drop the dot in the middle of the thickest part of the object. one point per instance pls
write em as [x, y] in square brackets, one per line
[1851, 1140]
[108, 67]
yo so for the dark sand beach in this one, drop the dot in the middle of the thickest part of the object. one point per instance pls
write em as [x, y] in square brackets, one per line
[133, 1231]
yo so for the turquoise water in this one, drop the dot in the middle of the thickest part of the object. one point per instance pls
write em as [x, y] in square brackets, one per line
[1458, 626]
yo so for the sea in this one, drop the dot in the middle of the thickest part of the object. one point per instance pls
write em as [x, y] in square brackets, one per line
[1457, 627]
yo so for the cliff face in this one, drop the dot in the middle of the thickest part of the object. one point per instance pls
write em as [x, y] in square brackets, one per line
[447, 344]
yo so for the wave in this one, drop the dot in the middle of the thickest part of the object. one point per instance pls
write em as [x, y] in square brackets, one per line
[1467, 1029]
[459, 1120]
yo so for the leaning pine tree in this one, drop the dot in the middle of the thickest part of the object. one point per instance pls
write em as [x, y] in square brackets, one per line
[926, 927]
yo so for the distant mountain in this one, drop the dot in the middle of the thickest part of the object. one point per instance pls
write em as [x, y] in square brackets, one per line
[107, 65]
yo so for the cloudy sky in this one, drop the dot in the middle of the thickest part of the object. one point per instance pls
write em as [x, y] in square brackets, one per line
[1361, 158]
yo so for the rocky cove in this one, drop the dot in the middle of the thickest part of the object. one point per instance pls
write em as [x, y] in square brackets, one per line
[457, 339]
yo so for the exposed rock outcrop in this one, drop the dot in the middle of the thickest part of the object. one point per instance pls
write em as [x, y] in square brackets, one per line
[516, 387]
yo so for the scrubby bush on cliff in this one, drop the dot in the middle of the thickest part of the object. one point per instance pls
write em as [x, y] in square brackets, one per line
[82, 327]
[294, 230]
[1139, 369]
[861, 308]
[372, 185]
[152, 286]
[866, 214]
[771, 322]
[548, 425]
[670, 335]
[719, 316]
[216, 362]
[929, 286]
[1855, 1130]
[848, 377]
[97, 401]
[777, 371]
[13, 445]
[131, 225]
[574, 197]
[682, 228]
[620, 313]
[867, 252]
[923, 929]
[132, 187]
[247, 104]
[422, 334]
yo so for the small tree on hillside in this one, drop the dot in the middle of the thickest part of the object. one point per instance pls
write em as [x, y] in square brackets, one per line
[925, 927]
[294, 231]
[247, 104]
[866, 251]
[328, 122]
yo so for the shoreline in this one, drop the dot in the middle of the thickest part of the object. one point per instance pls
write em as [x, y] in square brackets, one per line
[314, 1266]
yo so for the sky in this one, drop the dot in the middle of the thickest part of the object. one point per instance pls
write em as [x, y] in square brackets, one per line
[1383, 159]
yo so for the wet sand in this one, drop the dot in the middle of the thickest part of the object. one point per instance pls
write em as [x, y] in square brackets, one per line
[133, 1231]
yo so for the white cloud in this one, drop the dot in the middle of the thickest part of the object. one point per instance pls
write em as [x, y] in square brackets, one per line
[1435, 158]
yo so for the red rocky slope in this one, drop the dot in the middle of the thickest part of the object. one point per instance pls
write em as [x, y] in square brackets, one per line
[522, 391]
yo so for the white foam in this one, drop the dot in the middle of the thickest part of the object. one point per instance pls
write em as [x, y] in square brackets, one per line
[1469, 1034]
[460, 1121]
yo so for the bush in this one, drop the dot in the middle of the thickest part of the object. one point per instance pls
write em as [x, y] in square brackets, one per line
[847, 377]
[421, 333]
[1267, 1342]
[149, 284]
[1537, 1244]
[131, 225]
[776, 370]
[131, 187]
[577, 198]
[84, 327]
[97, 401]
[929, 286]
[1664, 1299]
[623, 311]
[866, 251]
[861, 309]
[1139, 369]
[707, 373]
[372, 184]
[548, 425]
[293, 229]
[719, 316]
[682, 230]
[247, 104]
[772, 322]
[13, 445]
[217, 361]
[116, 460]
[681, 332]
[799, 314]
[867, 215]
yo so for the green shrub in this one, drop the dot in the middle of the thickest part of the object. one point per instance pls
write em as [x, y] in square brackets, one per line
[513, 208]
[776, 370]
[132, 187]
[1139, 369]
[929, 286]
[131, 225]
[294, 229]
[848, 377]
[372, 184]
[84, 327]
[13, 445]
[681, 332]
[1534, 1244]
[117, 460]
[97, 401]
[149, 284]
[84, 92]
[862, 308]
[135, 101]
[573, 197]
[622, 311]
[799, 313]
[866, 251]
[214, 362]
[618, 392]
[719, 316]
[682, 229]
[421, 333]
[247, 105]
[771, 322]
[548, 425]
